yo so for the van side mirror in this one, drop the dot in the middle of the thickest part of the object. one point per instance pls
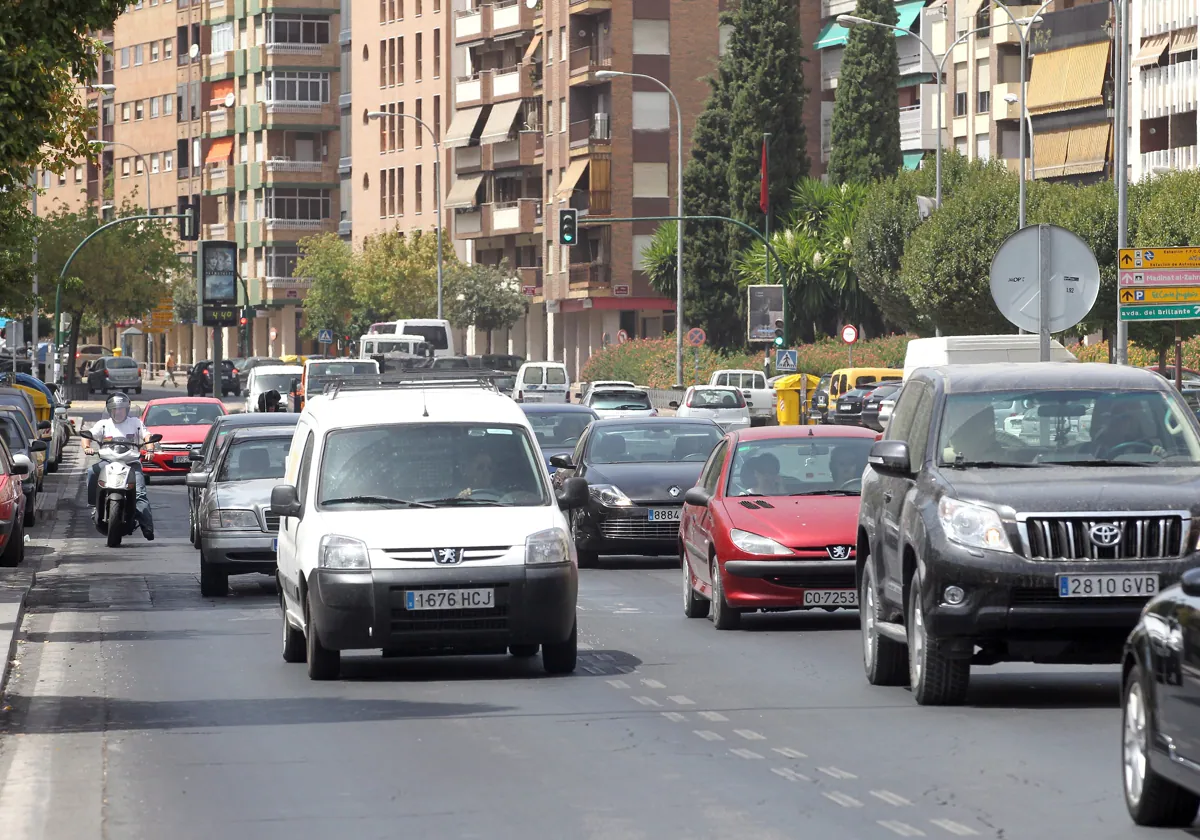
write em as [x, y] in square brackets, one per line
[697, 496]
[890, 457]
[285, 501]
[574, 493]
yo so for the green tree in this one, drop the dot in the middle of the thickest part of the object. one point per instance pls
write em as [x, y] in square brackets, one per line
[397, 275]
[486, 297]
[330, 303]
[658, 259]
[865, 131]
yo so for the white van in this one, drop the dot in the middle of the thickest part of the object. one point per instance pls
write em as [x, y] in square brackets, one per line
[977, 349]
[434, 330]
[392, 346]
[263, 378]
[543, 382]
[411, 523]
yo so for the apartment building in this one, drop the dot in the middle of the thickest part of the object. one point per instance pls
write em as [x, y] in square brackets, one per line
[1163, 87]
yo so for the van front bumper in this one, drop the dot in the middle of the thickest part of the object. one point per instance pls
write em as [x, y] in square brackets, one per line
[365, 610]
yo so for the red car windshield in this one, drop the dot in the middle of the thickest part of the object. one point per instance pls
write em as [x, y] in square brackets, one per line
[798, 466]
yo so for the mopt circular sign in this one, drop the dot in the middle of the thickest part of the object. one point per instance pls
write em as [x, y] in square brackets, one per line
[849, 334]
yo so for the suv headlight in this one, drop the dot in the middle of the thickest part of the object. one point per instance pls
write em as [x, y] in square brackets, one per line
[756, 543]
[975, 526]
[546, 548]
[609, 495]
[233, 520]
[345, 553]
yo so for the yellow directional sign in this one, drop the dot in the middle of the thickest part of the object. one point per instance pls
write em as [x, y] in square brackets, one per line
[1184, 257]
[1159, 294]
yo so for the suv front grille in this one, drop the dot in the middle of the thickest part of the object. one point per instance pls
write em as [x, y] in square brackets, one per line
[623, 528]
[1147, 537]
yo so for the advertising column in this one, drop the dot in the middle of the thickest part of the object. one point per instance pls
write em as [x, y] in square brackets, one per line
[216, 289]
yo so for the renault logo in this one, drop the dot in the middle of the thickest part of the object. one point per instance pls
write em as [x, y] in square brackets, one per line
[674, 491]
[447, 556]
[838, 552]
[1105, 534]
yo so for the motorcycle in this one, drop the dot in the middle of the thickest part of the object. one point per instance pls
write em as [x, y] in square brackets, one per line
[115, 514]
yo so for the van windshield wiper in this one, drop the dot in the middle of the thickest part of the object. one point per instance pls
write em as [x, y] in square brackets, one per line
[374, 500]
[963, 464]
[1100, 462]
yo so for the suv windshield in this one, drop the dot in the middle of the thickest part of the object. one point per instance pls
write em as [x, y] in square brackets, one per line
[662, 442]
[281, 382]
[1079, 427]
[620, 400]
[799, 466]
[183, 414]
[255, 458]
[443, 464]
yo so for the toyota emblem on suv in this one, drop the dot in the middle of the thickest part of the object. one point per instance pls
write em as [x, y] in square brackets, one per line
[447, 556]
[1105, 534]
[838, 552]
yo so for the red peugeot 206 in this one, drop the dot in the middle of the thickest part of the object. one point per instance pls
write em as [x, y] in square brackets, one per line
[772, 523]
[183, 423]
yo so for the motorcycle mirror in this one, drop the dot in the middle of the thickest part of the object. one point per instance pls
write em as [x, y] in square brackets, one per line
[154, 438]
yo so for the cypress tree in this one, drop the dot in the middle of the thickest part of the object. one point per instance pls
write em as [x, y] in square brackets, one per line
[865, 133]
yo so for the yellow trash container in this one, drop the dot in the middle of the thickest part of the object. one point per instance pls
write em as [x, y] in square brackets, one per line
[794, 404]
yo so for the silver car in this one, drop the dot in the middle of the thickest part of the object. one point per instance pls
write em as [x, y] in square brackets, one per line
[114, 373]
[723, 404]
[237, 531]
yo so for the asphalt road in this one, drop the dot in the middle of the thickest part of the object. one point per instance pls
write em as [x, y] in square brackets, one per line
[141, 710]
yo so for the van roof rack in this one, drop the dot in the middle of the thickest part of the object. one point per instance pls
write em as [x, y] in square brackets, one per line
[418, 379]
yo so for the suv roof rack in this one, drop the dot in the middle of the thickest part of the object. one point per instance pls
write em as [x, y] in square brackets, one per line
[418, 379]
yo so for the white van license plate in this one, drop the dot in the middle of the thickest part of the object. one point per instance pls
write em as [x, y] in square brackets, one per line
[1107, 586]
[830, 598]
[664, 514]
[450, 599]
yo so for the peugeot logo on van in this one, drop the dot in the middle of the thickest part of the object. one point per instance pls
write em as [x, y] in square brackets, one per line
[447, 556]
[1105, 534]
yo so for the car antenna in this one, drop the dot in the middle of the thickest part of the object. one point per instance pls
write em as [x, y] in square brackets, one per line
[424, 404]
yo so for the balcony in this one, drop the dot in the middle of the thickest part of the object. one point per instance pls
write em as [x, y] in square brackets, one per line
[215, 122]
[473, 224]
[215, 231]
[1159, 16]
[587, 279]
[288, 283]
[917, 122]
[585, 61]
[1168, 90]
[220, 64]
[468, 159]
[589, 7]
[473, 25]
[473, 90]
[216, 179]
[1182, 157]
[831, 67]
[833, 8]
[302, 227]
[1003, 32]
[345, 227]
[523, 151]
[590, 135]
[521, 216]
[531, 280]
[297, 115]
[1001, 109]
[301, 172]
[515, 82]
[913, 57]
[592, 202]
[509, 16]
[297, 55]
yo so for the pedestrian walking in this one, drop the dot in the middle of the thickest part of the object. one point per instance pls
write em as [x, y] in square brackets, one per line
[170, 369]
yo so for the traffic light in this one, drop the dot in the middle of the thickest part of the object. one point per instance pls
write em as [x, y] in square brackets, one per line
[189, 225]
[568, 226]
[247, 314]
[778, 333]
[243, 321]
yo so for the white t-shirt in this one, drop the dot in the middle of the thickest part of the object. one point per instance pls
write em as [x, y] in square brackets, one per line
[130, 428]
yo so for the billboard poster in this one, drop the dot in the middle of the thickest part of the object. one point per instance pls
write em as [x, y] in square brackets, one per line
[764, 306]
[218, 273]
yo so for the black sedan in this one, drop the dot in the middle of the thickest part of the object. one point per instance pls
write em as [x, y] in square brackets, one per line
[558, 426]
[637, 472]
[200, 384]
[849, 407]
[1161, 721]
[870, 409]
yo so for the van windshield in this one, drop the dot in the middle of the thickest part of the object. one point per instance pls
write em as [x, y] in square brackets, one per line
[428, 464]
[281, 382]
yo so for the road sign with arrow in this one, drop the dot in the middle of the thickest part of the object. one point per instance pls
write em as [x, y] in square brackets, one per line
[1158, 276]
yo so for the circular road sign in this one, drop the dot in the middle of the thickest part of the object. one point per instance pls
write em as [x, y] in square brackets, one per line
[849, 334]
[622, 336]
[274, 333]
[696, 337]
[1074, 279]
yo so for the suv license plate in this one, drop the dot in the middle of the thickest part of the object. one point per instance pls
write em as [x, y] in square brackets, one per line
[664, 514]
[450, 599]
[1107, 586]
[830, 598]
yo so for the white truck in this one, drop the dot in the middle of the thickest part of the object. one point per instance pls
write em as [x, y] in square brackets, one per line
[760, 398]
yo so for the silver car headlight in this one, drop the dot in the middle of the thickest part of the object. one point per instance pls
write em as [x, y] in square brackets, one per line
[972, 525]
[233, 520]
[546, 548]
[343, 553]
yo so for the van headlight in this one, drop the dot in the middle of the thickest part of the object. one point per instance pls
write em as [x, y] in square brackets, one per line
[609, 495]
[546, 548]
[343, 553]
[233, 520]
[975, 526]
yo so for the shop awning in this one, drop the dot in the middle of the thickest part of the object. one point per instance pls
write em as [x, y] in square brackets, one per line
[500, 121]
[1087, 149]
[532, 48]
[571, 178]
[220, 150]
[462, 193]
[1067, 79]
[220, 90]
[1183, 41]
[462, 127]
[1151, 51]
[912, 160]
[1050, 153]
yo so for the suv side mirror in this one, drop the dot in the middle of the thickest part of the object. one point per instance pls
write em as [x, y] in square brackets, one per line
[196, 480]
[890, 457]
[195, 457]
[562, 462]
[697, 496]
[1190, 583]
[285, 501]
[574, 493]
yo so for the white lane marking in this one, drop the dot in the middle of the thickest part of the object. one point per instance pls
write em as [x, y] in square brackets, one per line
[652, 684]
[603, 657]
[592, 669]
[716, 717]
[790, 774]
[742, 752]
[837, 773]
[618, 683]
[955, 828]
[583, 646]
[709, 735]
[843, 799]
[626, 669]
[626, 611]
[890, 798]
[788, 752]
[750, 735]
[646, 701]
[903, 829]
[674, 717]
[681, 700]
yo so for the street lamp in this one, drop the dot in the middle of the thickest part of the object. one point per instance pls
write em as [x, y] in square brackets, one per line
[611, 74]
[437, 189]
[1013, 99]
[108, 144]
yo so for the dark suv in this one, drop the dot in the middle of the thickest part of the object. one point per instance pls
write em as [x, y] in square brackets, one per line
[979, 546]
[200, 384]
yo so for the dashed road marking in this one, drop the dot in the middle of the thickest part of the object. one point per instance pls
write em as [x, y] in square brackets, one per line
[788, 752]
[674, 717]
[646, 701]
[903, 829]
[837, 773]
[592, 669]
[716, 717]
[681, 700]
[890, 798]
[604, 657]
[742, 752]
[750, 735]
[583, 646]
[652, 684]
[709, 735]
[626, 669]
[790, 774]
[618, 683]
[843, 799]
[955, 828]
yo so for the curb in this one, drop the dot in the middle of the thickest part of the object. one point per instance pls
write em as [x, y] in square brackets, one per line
[22, 582]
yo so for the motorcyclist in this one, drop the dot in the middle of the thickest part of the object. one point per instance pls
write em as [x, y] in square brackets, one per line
[119, 425]
[270, 401]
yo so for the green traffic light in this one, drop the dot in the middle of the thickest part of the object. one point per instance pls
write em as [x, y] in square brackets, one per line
[778, 341]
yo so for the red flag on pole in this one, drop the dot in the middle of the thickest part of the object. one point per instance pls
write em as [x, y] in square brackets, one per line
[764, 197]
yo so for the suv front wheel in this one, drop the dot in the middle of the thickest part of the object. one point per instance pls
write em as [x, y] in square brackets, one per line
[885, 660]
[935, 679]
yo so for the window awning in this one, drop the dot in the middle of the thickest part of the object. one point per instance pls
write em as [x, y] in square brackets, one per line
[833, 34]
[1087, 149]
[912, 160]
[1067, 79]
[916, 79]
[462, 127]
[462, 193]
[532, 48]
[1183, 41]
[571, 178]
[1151, 51]
[1050, 153]
[909, 11]
[220, 90]
[220, 150]
[500, 121]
